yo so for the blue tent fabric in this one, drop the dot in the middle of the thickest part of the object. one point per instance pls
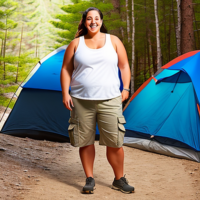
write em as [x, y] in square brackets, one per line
[179, 77]
[39, 114]
[47, 77]
[191, 66]
[167, 111]
[164, 111]
[166, 73]
[39, 111]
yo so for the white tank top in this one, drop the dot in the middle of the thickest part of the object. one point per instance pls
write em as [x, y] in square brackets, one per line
[95, 75]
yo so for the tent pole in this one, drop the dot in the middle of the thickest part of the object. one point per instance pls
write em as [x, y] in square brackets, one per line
[8, 104]
[6, 108]
[176, 82]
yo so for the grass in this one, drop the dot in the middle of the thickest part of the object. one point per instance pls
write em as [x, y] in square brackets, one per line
[9, 85]
[8, 89]
[5, 101]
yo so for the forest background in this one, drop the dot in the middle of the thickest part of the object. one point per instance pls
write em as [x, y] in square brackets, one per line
[153, 32]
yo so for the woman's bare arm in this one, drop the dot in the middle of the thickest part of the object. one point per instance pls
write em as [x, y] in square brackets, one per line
[66, 73]
[122, 64]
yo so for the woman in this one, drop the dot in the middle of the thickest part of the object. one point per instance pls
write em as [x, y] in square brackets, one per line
[90, 66]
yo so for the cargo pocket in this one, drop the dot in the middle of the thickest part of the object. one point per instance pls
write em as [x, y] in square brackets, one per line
[73, 131]
[121, 132]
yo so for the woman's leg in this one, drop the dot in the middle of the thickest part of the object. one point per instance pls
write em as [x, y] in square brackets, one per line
[87, 155]
[115, 157]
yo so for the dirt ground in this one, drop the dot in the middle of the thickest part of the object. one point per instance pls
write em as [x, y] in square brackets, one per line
[43, 170]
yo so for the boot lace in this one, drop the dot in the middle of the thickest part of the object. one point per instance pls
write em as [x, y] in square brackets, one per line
[124, 179]
[89, 180]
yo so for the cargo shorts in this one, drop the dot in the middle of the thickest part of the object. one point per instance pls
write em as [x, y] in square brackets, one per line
[106, 113]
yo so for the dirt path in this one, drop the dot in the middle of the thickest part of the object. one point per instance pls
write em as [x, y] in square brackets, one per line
[42, 170]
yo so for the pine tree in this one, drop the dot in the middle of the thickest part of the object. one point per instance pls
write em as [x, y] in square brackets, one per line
[8, 8]
[68, 23]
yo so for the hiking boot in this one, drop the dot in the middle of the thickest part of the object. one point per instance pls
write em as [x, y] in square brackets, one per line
[89, 186]
[122, 185]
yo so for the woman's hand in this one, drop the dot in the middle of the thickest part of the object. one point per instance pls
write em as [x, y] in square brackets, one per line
[67, 101]
[125, 95]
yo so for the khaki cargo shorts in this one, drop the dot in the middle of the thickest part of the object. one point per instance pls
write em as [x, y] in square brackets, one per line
[107, 113]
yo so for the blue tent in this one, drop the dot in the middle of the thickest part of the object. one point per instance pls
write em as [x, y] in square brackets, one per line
[39, 112]
[163, 116]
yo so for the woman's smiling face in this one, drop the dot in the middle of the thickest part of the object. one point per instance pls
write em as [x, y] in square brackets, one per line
[93, 21]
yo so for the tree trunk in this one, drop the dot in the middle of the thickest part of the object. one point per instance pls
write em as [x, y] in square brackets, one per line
[133, 50]
[36, 45]
[145, 43]
[178, 29]
[122, 33]
[19, 54]
[137, 59]
[165, 22]
[153, 50]
[149, 59]
[4, 53]
[118, 32]
[128, 21]
[1, 54]
[169, 36]
[159, 54]
[116, 4]
[147, 38]
[187, 33]
[197, 41]
[145, 60]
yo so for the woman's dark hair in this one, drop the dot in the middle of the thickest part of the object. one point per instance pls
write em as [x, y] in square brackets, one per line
[82, 30]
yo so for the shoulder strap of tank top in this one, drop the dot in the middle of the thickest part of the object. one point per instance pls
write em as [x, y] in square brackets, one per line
[108, 40]
[81, 40]
[80, 43]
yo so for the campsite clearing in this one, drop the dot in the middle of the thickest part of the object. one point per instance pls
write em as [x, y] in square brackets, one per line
[42, 170]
